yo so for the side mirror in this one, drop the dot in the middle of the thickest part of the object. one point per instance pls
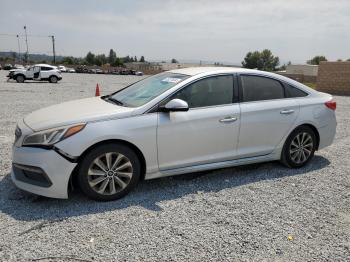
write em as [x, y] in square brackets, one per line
[174, 105]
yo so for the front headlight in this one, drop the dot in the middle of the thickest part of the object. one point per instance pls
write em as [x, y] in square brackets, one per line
[51, 136]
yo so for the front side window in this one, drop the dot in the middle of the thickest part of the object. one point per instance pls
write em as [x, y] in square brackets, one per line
[147, 89]
[257, 88]
[211, 91]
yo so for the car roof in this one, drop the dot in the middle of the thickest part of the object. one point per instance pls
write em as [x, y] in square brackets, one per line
[207, 71]
[211, 69]
[44, 65]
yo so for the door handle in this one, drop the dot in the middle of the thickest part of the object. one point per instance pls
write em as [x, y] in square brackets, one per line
[287, 111]
[228, 119]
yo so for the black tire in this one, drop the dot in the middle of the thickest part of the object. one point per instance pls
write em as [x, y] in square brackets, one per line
[86, 164]
[53, 79]
[20, 79]
[290, 155]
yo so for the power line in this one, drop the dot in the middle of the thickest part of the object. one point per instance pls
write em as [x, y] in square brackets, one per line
[26, 41]
[15, 35]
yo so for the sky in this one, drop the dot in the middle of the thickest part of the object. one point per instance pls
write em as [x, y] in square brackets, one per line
[222, 31]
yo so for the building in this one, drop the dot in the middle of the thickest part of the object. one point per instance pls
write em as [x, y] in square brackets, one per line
[301, 73]
[334, 78]
[306, 70]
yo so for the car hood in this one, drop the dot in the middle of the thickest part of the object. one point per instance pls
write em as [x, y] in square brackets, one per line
[73, 112]
[18, 70]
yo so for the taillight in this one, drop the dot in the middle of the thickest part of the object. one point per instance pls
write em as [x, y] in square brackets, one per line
[331, 104]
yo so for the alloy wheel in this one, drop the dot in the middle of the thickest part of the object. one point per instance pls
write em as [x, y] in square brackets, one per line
[53, 79]
[301, 147]
[110, 173]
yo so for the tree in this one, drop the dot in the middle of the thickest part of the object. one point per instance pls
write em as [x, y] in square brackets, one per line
[284, 66]
[68, 60]
[135, 58]
[142, 59]
[112, 57]
[90, 58]
[13, 55]
[174, 61]
[316, 60]
[118, 62]
[100, 59]
[263, 60]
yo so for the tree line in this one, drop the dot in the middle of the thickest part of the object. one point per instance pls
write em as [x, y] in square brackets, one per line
[101, 59]
[261, 60]
[265, 60]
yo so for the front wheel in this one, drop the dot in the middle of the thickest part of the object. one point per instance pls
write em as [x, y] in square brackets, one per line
[53, 79]
[299, 147]
[20, 79]
[109, 172]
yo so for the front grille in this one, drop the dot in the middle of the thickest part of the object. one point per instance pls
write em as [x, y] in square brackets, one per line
[31, 175]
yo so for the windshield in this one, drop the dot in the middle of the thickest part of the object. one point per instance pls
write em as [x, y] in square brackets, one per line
[147, 89]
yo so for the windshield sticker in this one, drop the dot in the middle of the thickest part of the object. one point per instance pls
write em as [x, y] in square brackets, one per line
[171, 80]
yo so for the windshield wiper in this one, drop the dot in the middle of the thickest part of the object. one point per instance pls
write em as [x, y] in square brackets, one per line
[115, 101]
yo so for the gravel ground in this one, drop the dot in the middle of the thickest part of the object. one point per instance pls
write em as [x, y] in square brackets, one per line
[262, 212]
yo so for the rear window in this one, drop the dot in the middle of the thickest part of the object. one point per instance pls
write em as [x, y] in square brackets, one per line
[45, 68]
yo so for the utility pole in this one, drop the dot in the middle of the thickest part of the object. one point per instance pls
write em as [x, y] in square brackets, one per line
[19, 49]
[53, 49]
[25, 31]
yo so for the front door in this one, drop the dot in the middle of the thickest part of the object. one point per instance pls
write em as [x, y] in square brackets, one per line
[36, 75]
[207, 133]
[266, 115]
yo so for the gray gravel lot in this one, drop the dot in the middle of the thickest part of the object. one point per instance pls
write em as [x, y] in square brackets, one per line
[235, 214]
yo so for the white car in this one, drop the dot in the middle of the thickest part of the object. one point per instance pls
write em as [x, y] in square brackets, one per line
[39, 72]
[177, 122]
[62, 68]
[17, 66]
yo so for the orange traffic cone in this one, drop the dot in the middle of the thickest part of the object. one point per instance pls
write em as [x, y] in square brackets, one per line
[97, 92]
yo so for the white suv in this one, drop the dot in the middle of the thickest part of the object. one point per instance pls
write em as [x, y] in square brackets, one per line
[39, 72]
[177, 122]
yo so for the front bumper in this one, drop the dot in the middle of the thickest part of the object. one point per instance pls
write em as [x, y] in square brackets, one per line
[10, 76]
[56, 169]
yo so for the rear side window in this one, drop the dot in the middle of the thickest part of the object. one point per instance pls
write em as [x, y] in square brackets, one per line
[211, 91]
[256, 88]
[45, 68]
[292, 91]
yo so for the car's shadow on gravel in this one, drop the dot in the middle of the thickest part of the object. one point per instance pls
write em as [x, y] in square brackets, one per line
[27, 207]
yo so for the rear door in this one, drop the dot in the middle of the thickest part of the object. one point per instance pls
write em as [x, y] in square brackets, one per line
[45, 72]
[207, 133]
[266, 115]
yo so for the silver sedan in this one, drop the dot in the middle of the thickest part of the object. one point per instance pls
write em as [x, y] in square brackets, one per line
[176, 122]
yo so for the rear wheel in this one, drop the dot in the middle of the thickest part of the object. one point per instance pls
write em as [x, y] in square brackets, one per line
[109, 172]
[20, 79]
[299, 147]
[53, 79]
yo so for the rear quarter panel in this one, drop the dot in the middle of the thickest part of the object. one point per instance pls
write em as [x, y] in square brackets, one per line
[314, 111]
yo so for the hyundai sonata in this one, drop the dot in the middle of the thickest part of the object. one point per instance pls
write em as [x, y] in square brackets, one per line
[176, 122]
